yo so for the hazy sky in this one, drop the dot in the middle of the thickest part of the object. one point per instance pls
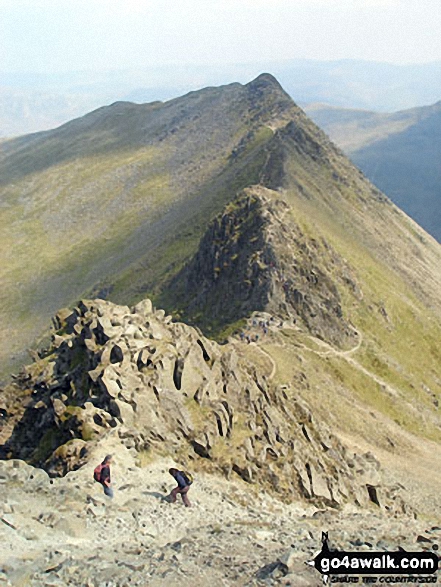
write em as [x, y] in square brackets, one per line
[65, 35]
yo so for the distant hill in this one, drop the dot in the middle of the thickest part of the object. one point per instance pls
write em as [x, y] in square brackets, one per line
[24, 112]
[31, 102]
[400, 153]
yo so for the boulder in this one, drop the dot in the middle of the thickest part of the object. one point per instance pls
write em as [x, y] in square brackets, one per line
[143, 308]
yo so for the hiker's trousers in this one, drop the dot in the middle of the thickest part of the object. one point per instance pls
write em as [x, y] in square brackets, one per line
[183, 491]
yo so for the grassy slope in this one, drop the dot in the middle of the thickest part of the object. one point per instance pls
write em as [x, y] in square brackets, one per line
[399, 152]
[394, 374]
[119, 198]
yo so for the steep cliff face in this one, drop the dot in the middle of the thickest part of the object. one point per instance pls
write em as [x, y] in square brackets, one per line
[164, 387]
[254, 257]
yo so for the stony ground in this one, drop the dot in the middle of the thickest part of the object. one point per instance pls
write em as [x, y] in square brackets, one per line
[66, 532]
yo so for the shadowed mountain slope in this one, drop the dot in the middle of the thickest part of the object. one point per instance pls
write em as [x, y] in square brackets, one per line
[399, 152]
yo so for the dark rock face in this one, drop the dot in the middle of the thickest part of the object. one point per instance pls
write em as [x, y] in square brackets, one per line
[161, 385]
[231, 271]
[254, 257]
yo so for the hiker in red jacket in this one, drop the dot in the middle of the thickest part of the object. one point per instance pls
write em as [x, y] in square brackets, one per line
[182, 488]
[102, 475]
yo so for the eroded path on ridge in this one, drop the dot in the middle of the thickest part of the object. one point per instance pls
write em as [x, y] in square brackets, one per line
[63, 532]
[323, 349]
[348, 356]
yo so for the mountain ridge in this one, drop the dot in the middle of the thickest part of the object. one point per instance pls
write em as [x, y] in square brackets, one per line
[143, 170]
[207, 148]
[399, 152]
[33, 102]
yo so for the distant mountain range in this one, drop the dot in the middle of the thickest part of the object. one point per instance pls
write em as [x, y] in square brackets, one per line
[32, 102]
[400, 153]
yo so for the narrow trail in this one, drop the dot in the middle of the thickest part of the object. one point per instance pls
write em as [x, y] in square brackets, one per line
[269, 357]
[347, 355]
[331, 351]
[391, 390]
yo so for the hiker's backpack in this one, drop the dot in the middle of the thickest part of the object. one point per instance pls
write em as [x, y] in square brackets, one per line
[97, 472]
[188, 477]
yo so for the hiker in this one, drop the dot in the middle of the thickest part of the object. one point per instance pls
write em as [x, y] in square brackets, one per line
[102, 475]
[181, 477]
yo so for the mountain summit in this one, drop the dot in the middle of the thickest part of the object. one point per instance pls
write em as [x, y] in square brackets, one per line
[266, 82]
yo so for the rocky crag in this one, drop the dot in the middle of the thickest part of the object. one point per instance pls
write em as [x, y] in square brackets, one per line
[254, 257]
[163, 387]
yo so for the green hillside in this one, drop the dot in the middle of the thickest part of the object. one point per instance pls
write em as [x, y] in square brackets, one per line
[112, 202]
[399, 152]
[235, 213]
[113, 205]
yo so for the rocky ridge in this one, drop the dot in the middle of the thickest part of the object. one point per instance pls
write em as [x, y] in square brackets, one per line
[255, 255]
[162, 386]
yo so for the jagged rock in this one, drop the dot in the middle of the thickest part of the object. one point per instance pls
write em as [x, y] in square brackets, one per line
[177, 390]
[274, 570]
[110, 386]
[289, 559]
[59, 407]
[144, 308]
[242, 258]
[67, 457]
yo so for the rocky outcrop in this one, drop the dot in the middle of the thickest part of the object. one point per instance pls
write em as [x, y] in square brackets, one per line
[254, 257]
[162, 386]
